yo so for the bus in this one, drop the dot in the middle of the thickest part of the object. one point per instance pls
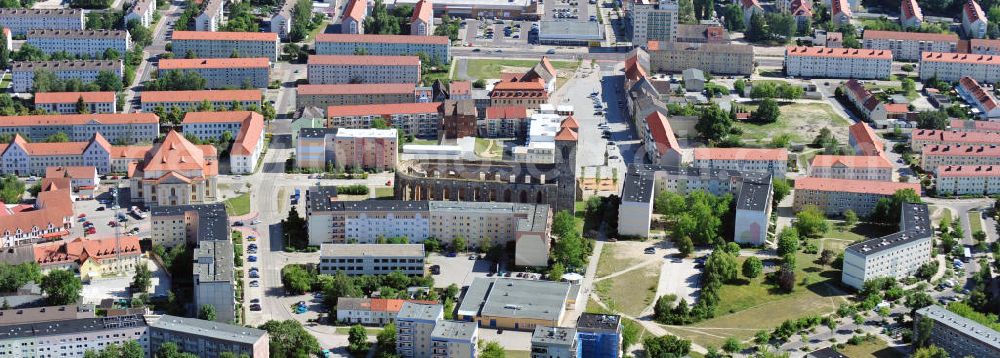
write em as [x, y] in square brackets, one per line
[967, 254]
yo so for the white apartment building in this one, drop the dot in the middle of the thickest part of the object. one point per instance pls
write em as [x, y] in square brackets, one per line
[371, 311]
[984, 47]
[659, 141]
[854, 167]
[66, 102]
[281, 22]
[974, 126]
[924, 137]
[435, 47]
[116, 127]
[23, 73]
[74, 337]
[366, 148]
[980, 98]
[19, 21]
[336, 69]
[865, 102]
[421, 120]
[824, 62]
[952, 67]
[246, 127]
[190, 100]
[206, 44]
[224, 72]
[422, 20]
[371, 259]
[896, 255]
[80, 42]
[834, 196]
[974, 21]
[907, 46]
[841, 12]
[213, 278]
[968, 179]
[910, 14]
[770, 161]
[934, 156]
[141, 10]
[23, 159]
[654, 20]
[454, 339]
[211, 16]
[415, 325]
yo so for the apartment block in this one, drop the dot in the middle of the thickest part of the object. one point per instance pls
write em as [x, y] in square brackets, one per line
[840, 12]
[434, 47]
[864, 141]
[142, 11]
[897, 255]
[422, 20]
[211, 16]
[415, 324]
[319, 148]
[823, 62]
[323, 96]
[934, 156]
[208, 339]
[224, 72]
[188, 224]
[753, 212]
[421, 120]
[504, 122]
[854, 167]
[73, 337]
[555, 342]
[191, 100]
[80, 42]
[834, 196]
[114, 127]
[454, 339]
[924, 137]
[907, 46]
[50, 217]
[23, 73]
[281, 22]
[91, 258]
[459, 118]
[530, 94]
[339, 69]
[247, 127]
[957, 335]
[715, 58]
[770, 161]
[983, 47]
[600, 335]
[952, 67]
[654, 20]
[659, 141]
[371, 311]
[67, 102]
[974, 21]
[910, 14]
[968, 179]
[974, 126]
[865, 103]
[371, 259]
[982, 99]
[22, 158]
[19, 21]
[213, 278]
[122, 157]
[207, 44]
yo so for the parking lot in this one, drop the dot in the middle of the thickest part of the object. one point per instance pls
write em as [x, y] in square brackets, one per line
[458, 270]
[101, 213]
[497, 33]
[570, 10]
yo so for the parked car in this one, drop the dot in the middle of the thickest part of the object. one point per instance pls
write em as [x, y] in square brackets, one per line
[254, 274]
[100, 208]
[252, 258]
[254, 283]
[255, 307]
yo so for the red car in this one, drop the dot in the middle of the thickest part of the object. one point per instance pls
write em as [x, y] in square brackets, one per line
[90, 231]
[112, 223]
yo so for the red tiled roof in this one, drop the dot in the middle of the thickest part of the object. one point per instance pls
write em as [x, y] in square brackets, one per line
[840, 6]
[423, 11]
[984, 97]
[80, 250]
[956, 137]
[364, 60]
[356, 88]
[198, 96]
[75, 172]
[866, 138]
[853, 186]
[73, 97]
[79, 119]
[519, 86]
[910, 9]
[653, 45]
[193, 63]
[860, 93]
[838, 52]
[912, 36]
[566, 134]
[851, 161]
[548, 65]
[460, 87]
[218, 117]
[55, 207]
[130, 151]
[224, 36]
[968, 171]
[960, 58]
[960, 150]
[897, 108]
[975, 125]
[177, 153]
[374, 38]
[983, 45]
[973, 11]
[801, 8]
[382, 109]
[570, 123]
[662, 134]
[356, 10]
[250, 132]
[740, 154]
[507, 112]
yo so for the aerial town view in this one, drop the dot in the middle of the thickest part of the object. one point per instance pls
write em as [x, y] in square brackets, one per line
[500, 178]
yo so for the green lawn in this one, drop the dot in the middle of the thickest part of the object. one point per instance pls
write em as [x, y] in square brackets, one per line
[491, 68]
[489, 148]
[874, 348]
[5, 81]
[630, 293]
[429, 78]
[239, 205]
[383, 192]
[975, 220]
[858, 232]
[802, 121]
[517, 354]
[371, 331]
[612, 262]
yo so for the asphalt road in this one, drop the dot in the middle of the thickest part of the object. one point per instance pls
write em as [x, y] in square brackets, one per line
[158, 47]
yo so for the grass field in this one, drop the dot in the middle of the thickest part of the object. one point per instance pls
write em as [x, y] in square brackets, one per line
[489, 148]
[858, 232]
[612, 261]
[383, 192]
[371, 331]
[239, 205]
[429, 77]
[802, 121]
[874, 348]
[630, 293]
[486, 69]
[975, 220]
[5, 81]
[517, 354]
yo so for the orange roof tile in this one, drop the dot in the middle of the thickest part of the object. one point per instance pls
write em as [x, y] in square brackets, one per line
[382, 109]
[130, 151]
[460, 87]
[80, 250]
[955, 136]
[519, 86]
[853, 186]
[356, 9]
[968, 171]
[374, 38]
[973, 11]
[79, 119]
[897, 108]
[663, 135]
[910, 8]
[73, 97]
[840, 6]
[218, 117]
[224, 36]
[960, 58]
[866, 138]
[506, 112]
[356, 88]
[975, 125]
[984, 97]
[195, 63]
[851, 161]
[177, 153]
[364, 60]
[570, 123]
[423, 11]
[55, 209]
[251, 131]
[838, 52]
[566, 134]
[911, 36]
[960, 150]
[740, 154]
[198, 96]
[75, 172]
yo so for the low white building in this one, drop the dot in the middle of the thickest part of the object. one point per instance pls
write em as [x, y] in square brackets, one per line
[980, 98]
[371, 259]
[896, 255]
[907, 46]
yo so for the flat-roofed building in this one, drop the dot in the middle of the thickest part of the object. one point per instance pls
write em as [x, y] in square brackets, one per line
[834, 196]
[207, 338]
[368, 149]
[957, 335]
[471, 9]
[600, 335]
[213, 278]
[570, 33]
[142, 11]
[211, 16]
[934, 156]
[371, 259]
[454, 339]
[897, 255]
[115, 127]
[863, 139]
[516, 304]
[416, 323]
[434, 47]
[856, 167]
[314, 148]
[421, 120]
[73, 337]
[347, 94]
[654, 20]
[823, 62]
[770, 161]
[980, 98]
[191, 100]
[555, 342]
[208, 44]
[23, 73]
[968, 179]
[188, 224]
[924, 137]
[907, 46]
[339, 69]
[952, 67]
[67, 102]
[19, 21]
[91, 43]
[223, 72]
[753, 212]
[715, 58]
[974, 126]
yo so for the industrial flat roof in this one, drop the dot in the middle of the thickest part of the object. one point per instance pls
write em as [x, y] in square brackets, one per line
[454, 330]
[374, 250]
[979, 332]
[515, 298]
[212, 329]
[420, 311]
[570, 30]
[213, 221]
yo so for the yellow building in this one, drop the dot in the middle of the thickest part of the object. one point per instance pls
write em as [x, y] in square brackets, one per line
[518, 304]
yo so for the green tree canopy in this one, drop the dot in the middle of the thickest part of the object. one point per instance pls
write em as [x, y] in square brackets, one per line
[61, 287]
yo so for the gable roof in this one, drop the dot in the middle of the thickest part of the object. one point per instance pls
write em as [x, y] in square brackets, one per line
[356, 10]
[973, 12]
[73, 97]
[850, 161]
[911, 9]
[80, 250]
[251, 131]
[177, 153]
[981, 95]
[801, 8]
[423, 11]
[866, 139]
[566, 134]
[840, 6]
[740, 154]
[661, 132]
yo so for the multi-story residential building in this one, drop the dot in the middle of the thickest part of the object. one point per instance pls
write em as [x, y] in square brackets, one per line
[436, 48]
[855, 167]
[51, 217]
[188, 224]
[982, 47]
[422, 21]
[897, 255]
[753, 212]
[175, 172]
[531, 94]
[727, 59]
[281, 21]
[863, 139]
[371, 259]
[116, 127]
[865, 102]
[459, 118]
[504, 122]
[924, 137]
[354, 16]
[86, 71]
[750, 7]
[8, 38]
[68, 102]
[654, 20]
[246, 126]
[422, 120]
[338, 69]
[974, 126]
[957, 335]
[840, 12]
[659, 141]
[124, 156]
[369, 149]
[702, 34]
[823, 62]
[980, 98]
[415, 324]
[555, 342]
[22, 158]
[910, 14]
[206, 44]
[934, 156]
[371, 311]
[802, 10]
[191, 100]
[142, 11]
[952, 67]
[968, 179]
[323, 96]
[770, 161]
[453, 339]
[208, 339]
[213, 278]
[80, 42]
[600, 335]
[224, 72]
[517, 304]
[974, 22]
[907, 46]
[92, 258]
[211, 16]
[73, 337]
[19, 21]
[834, 196]
[314, 148]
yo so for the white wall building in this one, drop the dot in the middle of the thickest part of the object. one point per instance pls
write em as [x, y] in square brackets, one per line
[856, 167]
[19, 21]
[770, 161]
[823, 62]
[141, 10]
[336, 69]
[952, 67]
[935, 156]
[968, 180]
[654, 20]
[205, 44]
[211, 16]
[974, 21]
[980, 98]
[80, 42]
[66, 102]
[224, 72]
[190, 100]
[907, 46]
[84, 70]
[896, 255]
[371, 259]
